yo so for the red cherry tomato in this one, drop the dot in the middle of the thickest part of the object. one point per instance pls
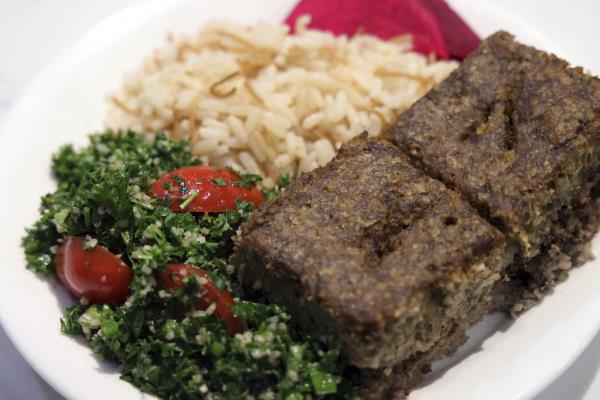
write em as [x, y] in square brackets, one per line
[96, 274]
[173, 278]
[203, 189]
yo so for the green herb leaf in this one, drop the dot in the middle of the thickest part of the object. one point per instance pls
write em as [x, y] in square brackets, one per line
[283, 181]
[323, 382]
[246, 181]
[219, 182]
[189, 200]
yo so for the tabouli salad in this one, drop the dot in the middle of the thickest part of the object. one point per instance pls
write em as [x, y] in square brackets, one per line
[140, 232]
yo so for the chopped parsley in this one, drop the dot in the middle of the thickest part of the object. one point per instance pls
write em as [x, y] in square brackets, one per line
[189, 200]
[183, 189]
[160, 346]
[283, 182]
[246, 181]
[219, 182]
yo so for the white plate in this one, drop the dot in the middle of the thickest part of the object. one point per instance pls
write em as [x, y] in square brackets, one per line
[503, 360]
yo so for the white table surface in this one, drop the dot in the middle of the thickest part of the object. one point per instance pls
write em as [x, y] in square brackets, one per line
[32, 32]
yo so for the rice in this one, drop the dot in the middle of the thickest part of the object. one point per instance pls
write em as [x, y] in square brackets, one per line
[263, 101]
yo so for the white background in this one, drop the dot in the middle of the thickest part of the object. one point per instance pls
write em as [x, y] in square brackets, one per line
[33, 32]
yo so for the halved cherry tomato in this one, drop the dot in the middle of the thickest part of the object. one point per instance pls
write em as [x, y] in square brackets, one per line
[96, 274]
[203, 189]
[173, 278]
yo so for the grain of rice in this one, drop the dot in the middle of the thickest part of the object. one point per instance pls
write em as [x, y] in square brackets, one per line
[260, 99]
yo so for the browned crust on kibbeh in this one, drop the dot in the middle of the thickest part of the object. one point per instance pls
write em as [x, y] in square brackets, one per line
[516, 133]
[375, 251]
[514, 130]
[396, 382]
[568, 246]
[571, 248]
